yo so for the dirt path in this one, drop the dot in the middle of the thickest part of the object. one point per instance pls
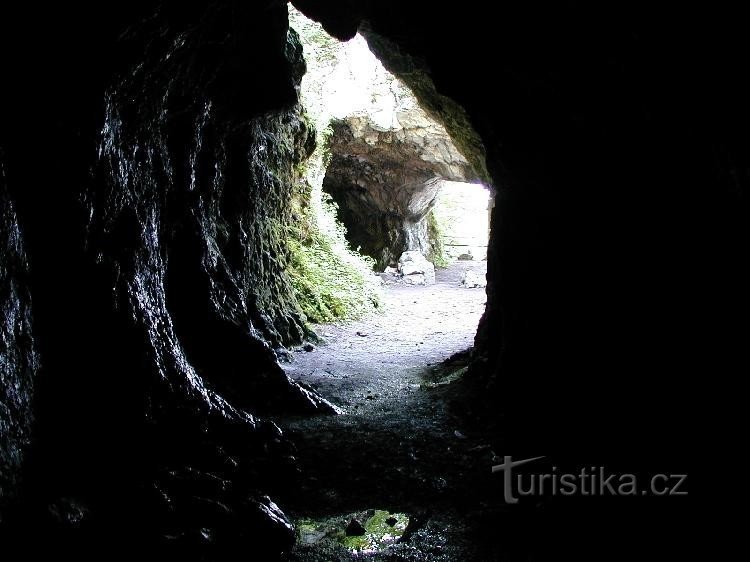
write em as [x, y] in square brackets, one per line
[384, 356]
[397, 446]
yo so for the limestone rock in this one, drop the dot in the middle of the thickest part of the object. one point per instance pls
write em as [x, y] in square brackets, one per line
[387, 159]
[416, 269]
[472, 279]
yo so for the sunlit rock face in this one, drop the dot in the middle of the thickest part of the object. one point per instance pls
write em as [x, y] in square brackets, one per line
[387, 155]
[385, 182]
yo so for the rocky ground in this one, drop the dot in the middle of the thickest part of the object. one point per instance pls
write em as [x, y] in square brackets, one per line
[400, 444]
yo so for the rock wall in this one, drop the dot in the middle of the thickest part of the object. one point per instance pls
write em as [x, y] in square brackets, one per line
[131, 134]
[149, 155]
[385, 182]
[18, 357]
[385, 152]
[615, 298]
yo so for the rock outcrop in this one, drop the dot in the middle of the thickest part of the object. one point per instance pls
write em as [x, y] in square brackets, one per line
[19, 361]
[153, 219]
[616, 295]
[387, 157]
[385, 183]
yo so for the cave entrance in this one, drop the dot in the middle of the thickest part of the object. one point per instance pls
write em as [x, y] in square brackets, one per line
[402, 223]
[391, 270]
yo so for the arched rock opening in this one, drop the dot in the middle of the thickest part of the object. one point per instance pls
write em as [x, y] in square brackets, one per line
[385, 180]
[145, 149]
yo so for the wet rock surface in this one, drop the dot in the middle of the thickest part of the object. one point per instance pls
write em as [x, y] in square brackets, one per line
[19, 361]
[155, 233]
[616, 291]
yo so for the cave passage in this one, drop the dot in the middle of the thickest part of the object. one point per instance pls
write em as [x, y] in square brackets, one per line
[416, 223]
[390, 191]
[236, 301]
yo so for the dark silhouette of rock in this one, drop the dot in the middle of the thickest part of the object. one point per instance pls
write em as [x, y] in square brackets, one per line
[148, 150]
[355, 529]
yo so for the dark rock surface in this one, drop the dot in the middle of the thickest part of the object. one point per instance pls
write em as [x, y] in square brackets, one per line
[615, 142]
[355, 529]
[151, 189]
[19, 361]
[146, 148]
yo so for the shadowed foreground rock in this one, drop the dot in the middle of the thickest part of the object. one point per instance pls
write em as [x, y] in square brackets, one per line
[153, 225]
[147, 154]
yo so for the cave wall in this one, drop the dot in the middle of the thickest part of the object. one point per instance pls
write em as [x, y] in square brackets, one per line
[148, 154]
[386, 154]
[385, 181]
[18, 357]
[619, 155]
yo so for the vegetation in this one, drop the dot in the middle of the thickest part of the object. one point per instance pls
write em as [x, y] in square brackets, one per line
[330, 281]
[382, 529]
[435, 231]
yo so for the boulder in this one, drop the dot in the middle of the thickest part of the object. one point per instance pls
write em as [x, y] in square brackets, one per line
[416, 269]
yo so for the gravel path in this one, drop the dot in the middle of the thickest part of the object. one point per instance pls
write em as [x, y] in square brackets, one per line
[398, 445]
[386, 355]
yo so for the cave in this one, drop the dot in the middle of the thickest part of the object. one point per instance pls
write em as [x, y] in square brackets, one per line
[163, 266]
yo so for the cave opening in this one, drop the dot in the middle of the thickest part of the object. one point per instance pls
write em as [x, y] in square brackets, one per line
[162, 255]
[402, 215]
[385, 190]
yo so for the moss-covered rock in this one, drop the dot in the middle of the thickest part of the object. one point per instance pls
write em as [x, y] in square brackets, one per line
[330, 281]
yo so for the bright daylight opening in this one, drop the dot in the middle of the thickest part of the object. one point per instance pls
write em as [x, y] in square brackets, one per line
[392, 275]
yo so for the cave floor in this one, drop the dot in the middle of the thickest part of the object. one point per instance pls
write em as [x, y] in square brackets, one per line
[401, 444]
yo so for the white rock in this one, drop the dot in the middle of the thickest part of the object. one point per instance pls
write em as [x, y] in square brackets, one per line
[416, 269]
[415, 279]
[472, 280]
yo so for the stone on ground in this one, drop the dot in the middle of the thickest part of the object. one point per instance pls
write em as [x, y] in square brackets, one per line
[416, 269]
[472, 280]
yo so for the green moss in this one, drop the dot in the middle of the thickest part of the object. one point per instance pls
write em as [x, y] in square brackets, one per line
[437, 253]
[327, 288]
[329, 282]
[378, 534]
